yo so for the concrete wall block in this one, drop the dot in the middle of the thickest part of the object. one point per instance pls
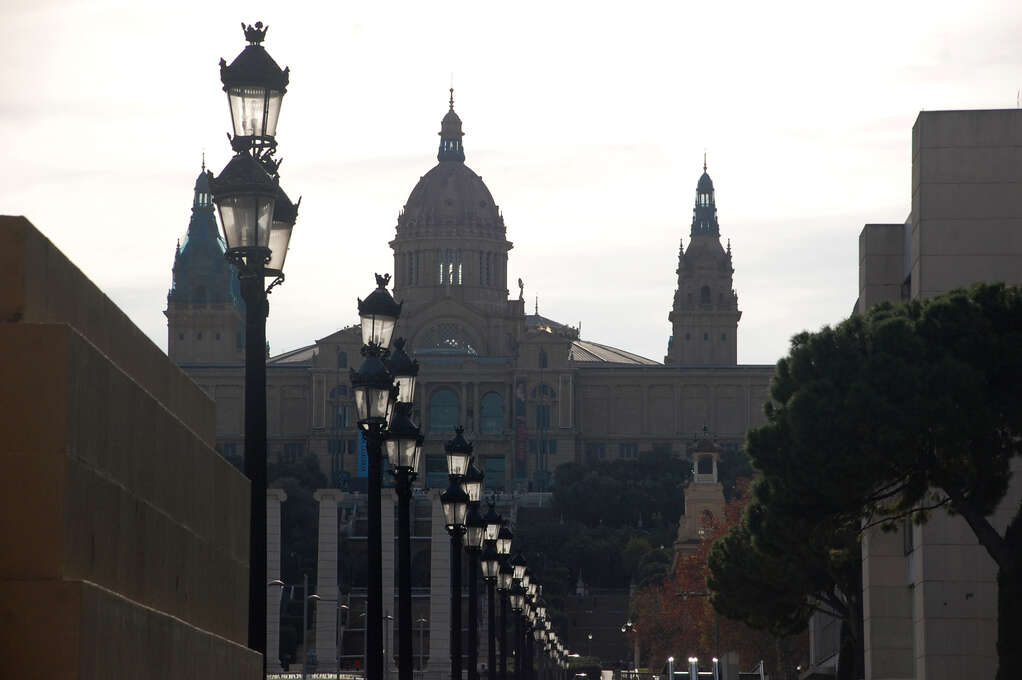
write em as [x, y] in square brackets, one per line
[999, 127]
[966, 236]
[970, 164]
[992, 200]
[39, 284]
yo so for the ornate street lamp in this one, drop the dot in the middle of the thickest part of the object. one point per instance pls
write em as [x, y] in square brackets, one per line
[252, 207]
[375, 395]
[454, 502]
[405, 370]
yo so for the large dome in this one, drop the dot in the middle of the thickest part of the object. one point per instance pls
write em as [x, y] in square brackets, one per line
[450, 194]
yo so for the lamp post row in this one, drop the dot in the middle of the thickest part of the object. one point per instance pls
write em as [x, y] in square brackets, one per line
[258, 218]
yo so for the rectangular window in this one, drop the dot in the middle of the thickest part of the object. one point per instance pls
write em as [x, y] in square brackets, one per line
[494, 470]
[319, 401]
[595, 451]
[436, 472]
[293, 451]
[542, 416]
[628, 450]
[533, 446]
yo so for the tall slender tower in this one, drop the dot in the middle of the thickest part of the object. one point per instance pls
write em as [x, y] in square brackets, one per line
[204, 310]
[705, 315]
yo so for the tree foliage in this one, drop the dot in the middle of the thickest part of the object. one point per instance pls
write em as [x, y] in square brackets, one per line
[896, 413]
[675, 616]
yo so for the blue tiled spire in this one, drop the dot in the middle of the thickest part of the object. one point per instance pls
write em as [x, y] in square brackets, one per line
[202, 274]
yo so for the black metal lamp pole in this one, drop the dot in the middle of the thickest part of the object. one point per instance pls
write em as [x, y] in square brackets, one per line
[504, 579]
[491, 566]
[475, 529]
[375, 394]
[404, 449]
[257, 219]
[455, 506]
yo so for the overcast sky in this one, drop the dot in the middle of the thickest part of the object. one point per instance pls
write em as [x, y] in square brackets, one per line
[587, 121]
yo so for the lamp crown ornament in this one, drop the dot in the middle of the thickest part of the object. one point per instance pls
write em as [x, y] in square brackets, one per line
[459, 444]
[254, 33]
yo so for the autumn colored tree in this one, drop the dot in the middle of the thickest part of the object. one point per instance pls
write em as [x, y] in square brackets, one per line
[676, 618]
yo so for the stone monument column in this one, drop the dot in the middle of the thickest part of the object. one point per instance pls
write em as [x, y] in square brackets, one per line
[274, 497]
[326, 579]
[439, 663]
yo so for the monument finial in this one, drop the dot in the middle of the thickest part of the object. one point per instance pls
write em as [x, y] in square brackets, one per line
[704, 160]
[451, 102]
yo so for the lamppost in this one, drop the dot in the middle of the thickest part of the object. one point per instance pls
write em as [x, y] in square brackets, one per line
[629, 628]
[375, 394]
[504, 578]
[454, 502]
[516, 598]
[306, 598]
[475, 529]
[257, 219]
[404, 448]
[491, 568]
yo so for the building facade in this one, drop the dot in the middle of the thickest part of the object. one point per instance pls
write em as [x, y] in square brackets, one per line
[530, 391]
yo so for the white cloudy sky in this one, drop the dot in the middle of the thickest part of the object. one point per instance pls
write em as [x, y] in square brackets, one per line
[587, 121]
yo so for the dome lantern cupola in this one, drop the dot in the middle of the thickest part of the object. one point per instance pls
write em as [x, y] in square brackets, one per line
[704, 215]
[451, 148]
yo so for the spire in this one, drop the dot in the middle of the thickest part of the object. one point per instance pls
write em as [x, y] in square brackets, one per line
[450, 135]
[704, 214]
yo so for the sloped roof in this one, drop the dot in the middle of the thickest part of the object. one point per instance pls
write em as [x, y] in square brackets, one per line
[302, 355]
[584, 351]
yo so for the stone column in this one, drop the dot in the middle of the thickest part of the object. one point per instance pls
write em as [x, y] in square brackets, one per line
[274, 497]
[326, 579]
[387, 513]
[439, 663]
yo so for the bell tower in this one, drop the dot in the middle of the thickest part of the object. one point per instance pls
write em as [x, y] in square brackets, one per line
[704, 319]
[205, 315]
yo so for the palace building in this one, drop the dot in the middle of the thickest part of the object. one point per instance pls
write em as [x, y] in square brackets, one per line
[530, 391]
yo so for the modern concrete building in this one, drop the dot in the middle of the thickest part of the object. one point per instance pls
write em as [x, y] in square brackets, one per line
[930, 591]
[124, 549]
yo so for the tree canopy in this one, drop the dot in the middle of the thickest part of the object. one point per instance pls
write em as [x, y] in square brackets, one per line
[896, 413]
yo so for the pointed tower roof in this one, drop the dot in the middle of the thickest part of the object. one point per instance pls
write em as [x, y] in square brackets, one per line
[451, 148]
[704, 214]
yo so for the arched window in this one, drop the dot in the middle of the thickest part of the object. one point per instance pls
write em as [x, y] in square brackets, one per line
[542, 358]
[443, 411]
[342, 359]
[491, 417]
[704, 295]
[705, 465]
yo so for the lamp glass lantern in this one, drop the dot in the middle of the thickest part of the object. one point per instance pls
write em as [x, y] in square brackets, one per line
[378, 314]
[454, 502]
[284, 215]
[459, 453]
[504, 538]
[505, 574]
[245, 196]
[493, 523]
[490, 562]
[519, 564]
[516, 597]
[403, 441]
[475, 527]
[374, 391]
[255, 87]
[405, 370]
[473, 485]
